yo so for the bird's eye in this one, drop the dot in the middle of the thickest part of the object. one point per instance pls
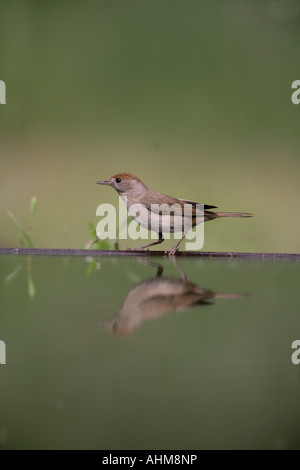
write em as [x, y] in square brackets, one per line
[118, 180]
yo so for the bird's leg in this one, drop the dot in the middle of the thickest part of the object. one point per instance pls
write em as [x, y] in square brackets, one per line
[182, 275]
[160, 270]
[174, 249]
[158, 266]
[160, 240]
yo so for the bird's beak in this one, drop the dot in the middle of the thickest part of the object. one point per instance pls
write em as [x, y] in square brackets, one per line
[104, 182]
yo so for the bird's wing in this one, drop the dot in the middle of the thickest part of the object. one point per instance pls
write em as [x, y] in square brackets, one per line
[162, 204]
[206, 206]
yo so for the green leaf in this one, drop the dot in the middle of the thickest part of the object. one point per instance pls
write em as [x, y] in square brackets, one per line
[97, 243]
[31, 288]
[91, 267]
[27, 238]
[14, 218]
[92, 229]
[100, 245]
[33, 205]
[23, 231]
[12, 275]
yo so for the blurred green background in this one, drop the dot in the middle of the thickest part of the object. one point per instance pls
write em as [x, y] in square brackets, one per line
[193, 97]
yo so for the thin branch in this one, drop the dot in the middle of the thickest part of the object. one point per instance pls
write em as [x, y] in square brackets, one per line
[188, 254]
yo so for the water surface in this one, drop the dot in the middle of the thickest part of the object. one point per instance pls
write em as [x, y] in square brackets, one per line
[129, 353]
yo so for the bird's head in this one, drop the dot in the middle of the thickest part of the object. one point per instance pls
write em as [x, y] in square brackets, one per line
[125, 183]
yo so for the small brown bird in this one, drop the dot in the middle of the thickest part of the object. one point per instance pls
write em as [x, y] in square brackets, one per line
[161, 213]
[159, 296]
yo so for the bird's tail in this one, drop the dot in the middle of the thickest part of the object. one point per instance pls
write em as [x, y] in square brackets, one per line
[233, 214]
[231, 296]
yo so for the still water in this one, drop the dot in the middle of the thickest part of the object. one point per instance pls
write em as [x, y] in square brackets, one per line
[131, 353]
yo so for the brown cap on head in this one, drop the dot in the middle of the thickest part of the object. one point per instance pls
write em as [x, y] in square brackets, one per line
[127, 176]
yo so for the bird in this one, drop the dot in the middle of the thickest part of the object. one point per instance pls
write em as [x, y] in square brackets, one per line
[159, 296]
[161, 213]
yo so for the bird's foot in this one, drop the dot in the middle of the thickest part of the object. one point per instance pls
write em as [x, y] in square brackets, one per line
[171, 252]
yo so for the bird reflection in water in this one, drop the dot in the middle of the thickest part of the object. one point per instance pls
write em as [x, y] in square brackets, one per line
[158, 296]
